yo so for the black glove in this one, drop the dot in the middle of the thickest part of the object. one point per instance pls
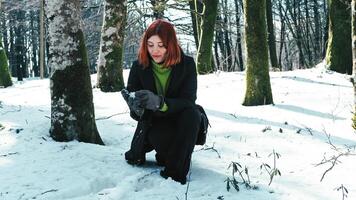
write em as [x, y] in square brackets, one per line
[149, 100]
[133, 102]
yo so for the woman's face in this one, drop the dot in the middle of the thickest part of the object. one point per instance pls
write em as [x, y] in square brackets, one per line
[156, 49]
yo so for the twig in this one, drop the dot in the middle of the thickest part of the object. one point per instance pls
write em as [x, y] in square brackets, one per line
[308, 129]
[234, 115]
[102, 118]
[146, 175]
[343, 190]
[53, 190]
[9, 154]
[210, 148]
[334, 159]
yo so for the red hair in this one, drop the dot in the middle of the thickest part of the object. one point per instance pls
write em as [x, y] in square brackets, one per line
[165, 31]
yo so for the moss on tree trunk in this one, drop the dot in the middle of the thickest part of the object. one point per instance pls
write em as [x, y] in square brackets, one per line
[258, 87]
[339, 53]
[204, 54]
[110, 78]
[72, 108]
[5, 78]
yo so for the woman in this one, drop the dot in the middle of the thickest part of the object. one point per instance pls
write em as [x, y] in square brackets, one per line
[164, 82]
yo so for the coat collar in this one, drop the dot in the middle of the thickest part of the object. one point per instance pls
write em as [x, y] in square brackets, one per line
[175, 77]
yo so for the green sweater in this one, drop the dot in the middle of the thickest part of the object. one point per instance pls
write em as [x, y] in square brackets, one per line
[161, 76]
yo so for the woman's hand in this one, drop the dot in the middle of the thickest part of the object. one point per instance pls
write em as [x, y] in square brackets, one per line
[149, 100]
[132, 102]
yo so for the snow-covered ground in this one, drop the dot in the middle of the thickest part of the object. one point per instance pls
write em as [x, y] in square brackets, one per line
[309, 105]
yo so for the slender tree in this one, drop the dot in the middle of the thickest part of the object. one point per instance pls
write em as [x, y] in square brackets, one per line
[110, 78]
[72, 109]
[206, 36]
[195, 11]
[353, 9]
[239, 36]
[42, 40]
[258, 86]
[271, 35]
[339, 53]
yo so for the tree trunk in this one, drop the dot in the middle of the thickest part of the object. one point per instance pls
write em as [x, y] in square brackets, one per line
[282, 35]
[204, 54]
[318, 32]
[72, 109]
[216, 52]
[307, 38]
[219, 38]
[353, 9]
[339, 53]
[239, 36]
[195, 12]
[5, 78]
[42, 40]
[110, 78]
[34, 43]
[19, 45]
[326, 30]
[258, 87]
[12, 52]
[228, 53]
[271, 35]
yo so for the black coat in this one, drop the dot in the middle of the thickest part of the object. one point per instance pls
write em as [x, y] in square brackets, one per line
[180, 94]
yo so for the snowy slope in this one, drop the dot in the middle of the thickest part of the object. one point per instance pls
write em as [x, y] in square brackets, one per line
[309, 104]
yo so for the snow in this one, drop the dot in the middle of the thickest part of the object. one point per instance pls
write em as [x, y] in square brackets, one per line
[309, 104]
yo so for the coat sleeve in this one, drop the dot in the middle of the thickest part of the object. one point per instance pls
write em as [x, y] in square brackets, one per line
[134, 84]
[188, 90]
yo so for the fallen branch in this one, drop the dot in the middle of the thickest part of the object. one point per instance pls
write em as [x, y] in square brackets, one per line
[108, 117]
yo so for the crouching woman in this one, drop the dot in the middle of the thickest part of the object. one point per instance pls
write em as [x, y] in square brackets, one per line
[163, 88]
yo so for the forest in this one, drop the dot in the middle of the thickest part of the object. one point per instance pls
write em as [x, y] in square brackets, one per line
[85, 48]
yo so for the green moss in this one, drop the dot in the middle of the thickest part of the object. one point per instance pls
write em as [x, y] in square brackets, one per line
[110, 78]
[73, 85]
[5, 78]
[339, 53]
[354, 119]
[204, 57]
[258, 87]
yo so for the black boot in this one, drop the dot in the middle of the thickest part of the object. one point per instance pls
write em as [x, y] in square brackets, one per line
[165, 174]
[134, 161]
